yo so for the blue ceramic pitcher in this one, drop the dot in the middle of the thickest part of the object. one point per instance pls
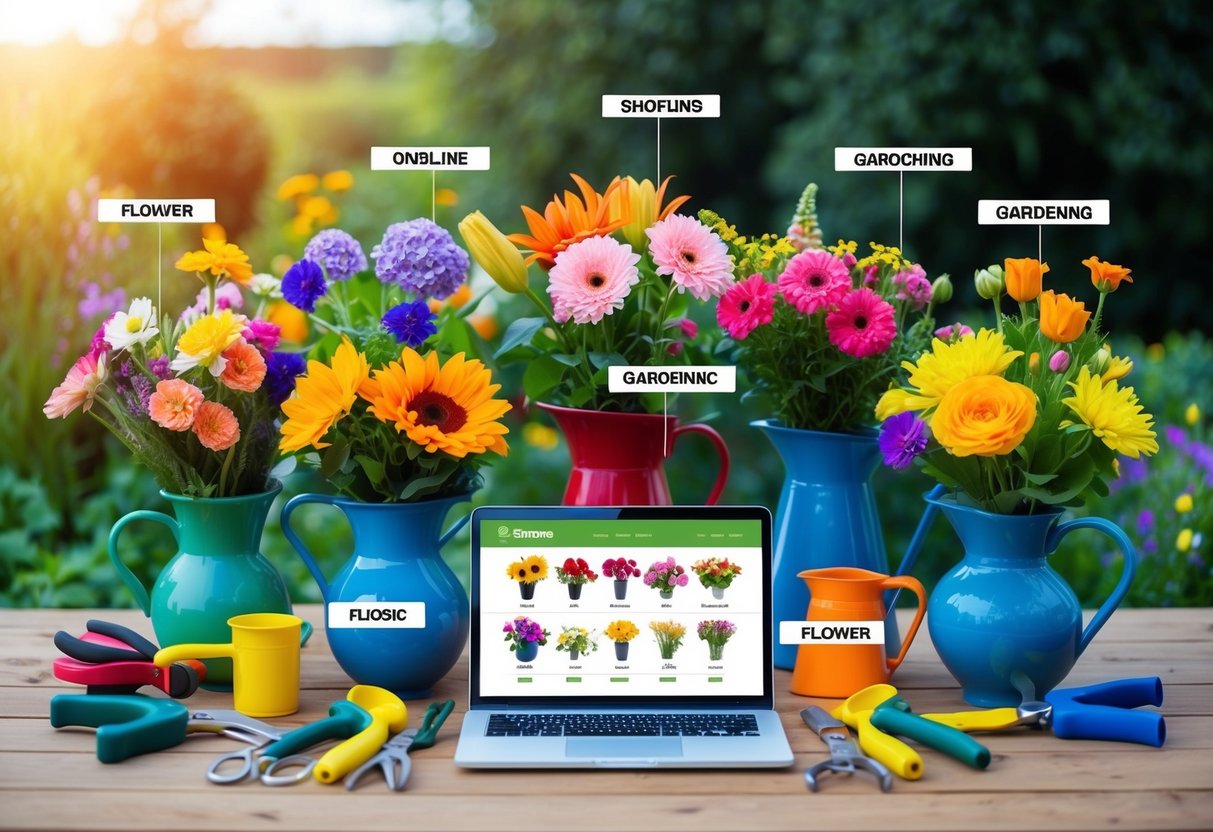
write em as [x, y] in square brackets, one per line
[1003, 617]
[826, 517]
[396, 558]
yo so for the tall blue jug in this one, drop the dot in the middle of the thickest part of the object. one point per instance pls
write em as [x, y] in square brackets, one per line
[826, 517]
[396, 558]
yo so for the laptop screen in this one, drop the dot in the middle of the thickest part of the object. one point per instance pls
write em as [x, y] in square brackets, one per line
[604, 604]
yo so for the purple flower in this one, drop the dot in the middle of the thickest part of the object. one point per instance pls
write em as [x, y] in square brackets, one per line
[339, 253]
[682, 580]
[913, 286]
[649, 578]
[1145, 521]
[420, 257]
[303, 285]
[956, 330]
[1176, 436]
[281, 370]
[96, 302]
[227, 296]
[411, 323]
[1059, 361]
[160, 368]
[99, 344]
[902, 438]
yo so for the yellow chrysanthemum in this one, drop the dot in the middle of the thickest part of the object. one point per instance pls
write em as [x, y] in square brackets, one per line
[322, 398]
[1117, 369]
[220, 258]
[1113, 414]
[622, 630]
[203, 344]
[448, 407]
[945, 366]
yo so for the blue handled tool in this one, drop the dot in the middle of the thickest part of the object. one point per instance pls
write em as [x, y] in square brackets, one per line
[1106, 711]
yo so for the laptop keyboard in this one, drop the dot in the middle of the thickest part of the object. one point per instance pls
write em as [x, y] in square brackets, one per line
[622, 725]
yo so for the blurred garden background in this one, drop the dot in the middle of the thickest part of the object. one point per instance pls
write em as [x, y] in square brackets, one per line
[271, 109]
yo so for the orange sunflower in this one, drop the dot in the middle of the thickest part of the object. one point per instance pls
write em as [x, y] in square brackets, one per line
[448, 407]
[574, 219]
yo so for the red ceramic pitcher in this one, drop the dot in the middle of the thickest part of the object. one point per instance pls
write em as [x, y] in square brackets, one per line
[617, 457]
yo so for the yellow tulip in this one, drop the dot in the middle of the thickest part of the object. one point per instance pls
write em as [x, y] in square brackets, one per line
[495, 254]
[645, 200]
[1024, 276]
[1062, 319]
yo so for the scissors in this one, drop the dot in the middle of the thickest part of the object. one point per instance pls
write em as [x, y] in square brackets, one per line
[393, 759]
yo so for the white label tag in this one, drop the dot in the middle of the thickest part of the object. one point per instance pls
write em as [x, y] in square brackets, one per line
[693, 379]
[903, 158]
[379, 615]
[429, 158]
[1043, 212]
[661, 106]
[831, 632]
[156, 210]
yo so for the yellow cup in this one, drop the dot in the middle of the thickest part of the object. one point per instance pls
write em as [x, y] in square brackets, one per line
[265, 662]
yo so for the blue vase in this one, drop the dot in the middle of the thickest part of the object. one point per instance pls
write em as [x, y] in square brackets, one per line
[527, 651]
[396, 558]
[826, 517]
[1002, 619]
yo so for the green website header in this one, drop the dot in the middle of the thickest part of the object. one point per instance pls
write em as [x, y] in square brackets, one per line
[621, 534]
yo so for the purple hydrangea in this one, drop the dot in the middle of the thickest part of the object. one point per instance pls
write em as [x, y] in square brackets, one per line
[280, 373]
[337, 252]
[411, 323]
[421, 257]
[303, 285]
[902, 438]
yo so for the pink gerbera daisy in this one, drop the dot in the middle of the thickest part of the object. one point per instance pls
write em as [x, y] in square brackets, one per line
[591, 278]
[689, 251]
[79, 388]
[814, 280]
[863, 324]
[747, 305]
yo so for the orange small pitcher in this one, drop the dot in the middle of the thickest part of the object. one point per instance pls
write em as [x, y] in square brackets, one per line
[841, 594]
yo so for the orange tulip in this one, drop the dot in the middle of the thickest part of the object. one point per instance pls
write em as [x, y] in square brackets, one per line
[1106, 277]
[1024, 276]
[1062, 319]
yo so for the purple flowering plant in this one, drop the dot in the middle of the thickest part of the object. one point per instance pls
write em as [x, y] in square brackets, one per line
[665, 575]
[522, 631]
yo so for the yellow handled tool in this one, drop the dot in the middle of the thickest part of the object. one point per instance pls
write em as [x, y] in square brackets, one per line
[388, 716]
[995, 719]
[856, 712]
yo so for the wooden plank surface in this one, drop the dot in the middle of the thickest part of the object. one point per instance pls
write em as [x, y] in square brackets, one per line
[51, 779]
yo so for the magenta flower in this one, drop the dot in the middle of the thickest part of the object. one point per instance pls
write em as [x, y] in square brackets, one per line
[692, 254]
[863, 324]
[912, 286]
[591, 278]
[1059, 361]
[954, 331]
[747, 305]
[813, 281]
[263, 335]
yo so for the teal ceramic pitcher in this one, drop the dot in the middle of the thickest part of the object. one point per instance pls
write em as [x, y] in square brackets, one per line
[217, 573]
[1003, 621]
[826, 517]
[396, 568]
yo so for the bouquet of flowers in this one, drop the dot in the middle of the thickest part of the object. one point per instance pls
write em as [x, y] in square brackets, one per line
[820, 331]
[577, 641]
[669, 636]
[621, 269]
[575, 572]
[716, 573]
[385, 422]
[664, 575]
[620, 569]
[522, 631]
[194, 398]
[527, 572]
[622, 631]
[1030, 413]
[716, 633]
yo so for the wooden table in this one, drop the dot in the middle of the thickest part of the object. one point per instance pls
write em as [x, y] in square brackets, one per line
[51, 779]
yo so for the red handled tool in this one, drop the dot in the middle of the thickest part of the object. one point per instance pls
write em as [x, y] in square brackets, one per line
[111, 659]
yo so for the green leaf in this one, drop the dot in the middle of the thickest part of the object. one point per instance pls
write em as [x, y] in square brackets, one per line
[285, 467]
[1039, 479]
[581, 395]
[567, 359]
[421, 483]
[542, 374]
[520, 331]
[333, 458]
[602, 360]
[374, 469]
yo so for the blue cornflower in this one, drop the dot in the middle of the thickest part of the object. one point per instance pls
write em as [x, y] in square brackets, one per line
[337, 252]
[411, 323]
[280, 373]
[422, 258]
[303, 285]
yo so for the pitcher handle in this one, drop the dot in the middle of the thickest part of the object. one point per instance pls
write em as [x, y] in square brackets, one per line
[722, 450]
[128, 577]
[920, 534]
[915, 586]
[1129, 554]
[453, 530]
[300, 547]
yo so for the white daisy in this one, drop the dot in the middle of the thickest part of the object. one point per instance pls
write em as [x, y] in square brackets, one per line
[136, 326]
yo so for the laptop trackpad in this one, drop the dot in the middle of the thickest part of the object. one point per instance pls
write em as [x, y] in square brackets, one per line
[635, 747]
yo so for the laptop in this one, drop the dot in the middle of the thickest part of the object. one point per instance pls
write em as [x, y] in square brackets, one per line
[613, 706]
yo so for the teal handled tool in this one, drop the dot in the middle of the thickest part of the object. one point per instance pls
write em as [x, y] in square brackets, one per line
[127, 725]
[394, 758]
[345, 719]
[893, 716]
